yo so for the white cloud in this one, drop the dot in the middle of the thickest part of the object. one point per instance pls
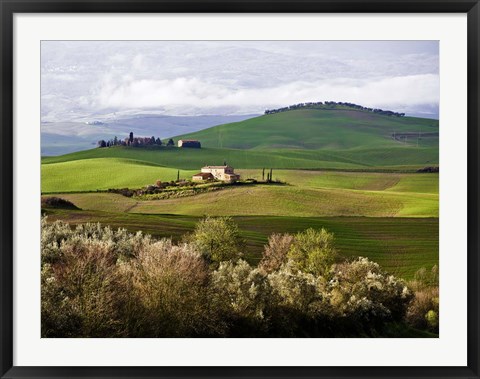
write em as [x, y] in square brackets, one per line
[90, 78]
[181, 95]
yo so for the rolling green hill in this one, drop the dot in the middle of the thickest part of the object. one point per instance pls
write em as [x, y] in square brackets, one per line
[397, 158]
[318, 129]
[297, 139]
[104, 173]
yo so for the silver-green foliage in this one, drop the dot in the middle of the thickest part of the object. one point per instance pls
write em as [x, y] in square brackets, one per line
[99, 282]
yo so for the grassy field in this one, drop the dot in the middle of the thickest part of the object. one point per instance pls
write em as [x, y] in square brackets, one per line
[396, 158]
[271, 201]
[400, 245]
[305, 193]
[104, 173]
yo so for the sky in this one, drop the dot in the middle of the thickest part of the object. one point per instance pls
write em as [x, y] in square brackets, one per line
[95, 80]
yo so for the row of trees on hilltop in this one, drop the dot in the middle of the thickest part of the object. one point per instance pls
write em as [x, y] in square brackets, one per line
[333, 105]
[134, 141]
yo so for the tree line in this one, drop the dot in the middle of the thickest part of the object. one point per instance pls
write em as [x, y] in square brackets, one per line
[131, 140]
[333, 105]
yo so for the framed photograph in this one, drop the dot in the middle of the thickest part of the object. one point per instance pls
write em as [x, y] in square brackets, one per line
[238, 189]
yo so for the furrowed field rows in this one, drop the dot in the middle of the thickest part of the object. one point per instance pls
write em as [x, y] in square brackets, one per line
[400, 245]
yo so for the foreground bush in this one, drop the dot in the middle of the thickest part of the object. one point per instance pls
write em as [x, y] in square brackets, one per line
[363, 296]
[169, 294]
[423, 312]
[313, 251]
[218, 239]
[97, 282]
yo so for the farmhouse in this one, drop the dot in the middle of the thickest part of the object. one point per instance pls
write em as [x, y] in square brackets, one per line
[189, 143]
[223, 173]
[202, 176]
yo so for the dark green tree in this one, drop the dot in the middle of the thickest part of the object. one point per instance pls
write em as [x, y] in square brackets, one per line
[170, 142]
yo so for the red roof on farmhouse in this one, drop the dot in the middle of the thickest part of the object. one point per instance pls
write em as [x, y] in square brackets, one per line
[189, 140]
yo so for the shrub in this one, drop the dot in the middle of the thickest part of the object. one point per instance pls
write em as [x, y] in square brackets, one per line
[297, 303]
[57, 202]
[97, 282]
[275, 253]
[423, 312]
[241, 293]
[366, 295]
[424, 278]
[82, 295]
[313, 251]
[169, 293]
[218, 239]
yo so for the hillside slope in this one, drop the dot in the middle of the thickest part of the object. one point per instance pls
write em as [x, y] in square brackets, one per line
[297, 139]
[316, 129]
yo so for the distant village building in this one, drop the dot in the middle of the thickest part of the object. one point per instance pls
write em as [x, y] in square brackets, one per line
[223, 173]
[189, 143]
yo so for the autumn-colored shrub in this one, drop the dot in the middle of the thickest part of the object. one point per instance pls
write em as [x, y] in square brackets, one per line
[275, 253]
[423, 312]
[82, 294]
[169, 293]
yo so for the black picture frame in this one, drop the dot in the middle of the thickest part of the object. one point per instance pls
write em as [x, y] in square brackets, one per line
[9, 8]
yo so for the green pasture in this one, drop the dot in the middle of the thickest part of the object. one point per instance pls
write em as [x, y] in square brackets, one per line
[397, 158]
[272, 201]
[104, 173]
[373, 181]
[305, 193]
